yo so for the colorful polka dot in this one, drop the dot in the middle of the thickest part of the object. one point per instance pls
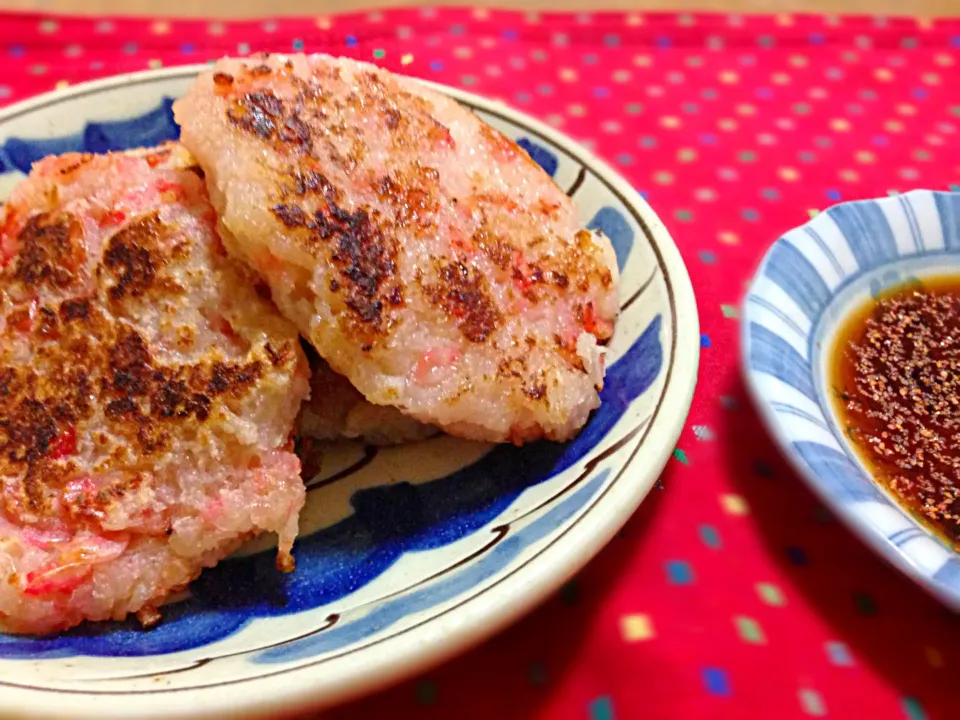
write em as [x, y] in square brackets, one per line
[601, 708]
[679, 572]
[734, 504]
[749, 630]
[913, 710]
[716, 681]
[710, 537]
[770, 594]
[812, 703]
[703, 432]
[839, 654]
[636, 628]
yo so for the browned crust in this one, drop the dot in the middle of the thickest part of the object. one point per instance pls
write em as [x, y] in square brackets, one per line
[93, 375]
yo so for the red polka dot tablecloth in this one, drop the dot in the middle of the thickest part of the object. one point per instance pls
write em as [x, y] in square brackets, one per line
[732, 593]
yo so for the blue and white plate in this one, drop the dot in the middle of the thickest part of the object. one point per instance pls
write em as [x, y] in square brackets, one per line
[407, 555]
[810, 281]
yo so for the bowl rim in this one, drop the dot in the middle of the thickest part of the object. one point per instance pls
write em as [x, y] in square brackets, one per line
[866, 532]
[478, 618]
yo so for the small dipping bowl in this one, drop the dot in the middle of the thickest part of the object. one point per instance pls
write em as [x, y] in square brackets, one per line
[811, 281]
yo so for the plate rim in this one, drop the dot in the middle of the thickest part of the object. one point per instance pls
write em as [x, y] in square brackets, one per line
[867, 533]
[481, 616]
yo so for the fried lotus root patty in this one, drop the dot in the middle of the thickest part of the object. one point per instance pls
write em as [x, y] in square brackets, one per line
[147, 393]
[425, 256]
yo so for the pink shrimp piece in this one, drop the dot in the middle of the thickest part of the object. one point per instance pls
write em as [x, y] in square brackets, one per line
[73, 565]
[433, 360]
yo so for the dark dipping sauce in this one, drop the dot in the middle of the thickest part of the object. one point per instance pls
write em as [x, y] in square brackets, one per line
[896, 380]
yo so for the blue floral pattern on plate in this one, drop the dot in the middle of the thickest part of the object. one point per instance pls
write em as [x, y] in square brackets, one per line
[809, 281]
[385, 554]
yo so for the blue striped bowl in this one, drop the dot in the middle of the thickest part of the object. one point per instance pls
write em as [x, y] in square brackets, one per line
[809, 282]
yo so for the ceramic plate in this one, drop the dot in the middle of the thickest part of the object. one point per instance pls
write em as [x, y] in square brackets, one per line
[407, 555]
[808, 284]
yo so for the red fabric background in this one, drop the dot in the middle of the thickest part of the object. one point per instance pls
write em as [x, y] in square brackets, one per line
[732, 593]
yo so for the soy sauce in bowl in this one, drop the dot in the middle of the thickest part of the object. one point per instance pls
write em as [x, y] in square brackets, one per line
[896, 376]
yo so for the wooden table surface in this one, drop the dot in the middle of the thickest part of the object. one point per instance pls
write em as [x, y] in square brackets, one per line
[253, 8]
